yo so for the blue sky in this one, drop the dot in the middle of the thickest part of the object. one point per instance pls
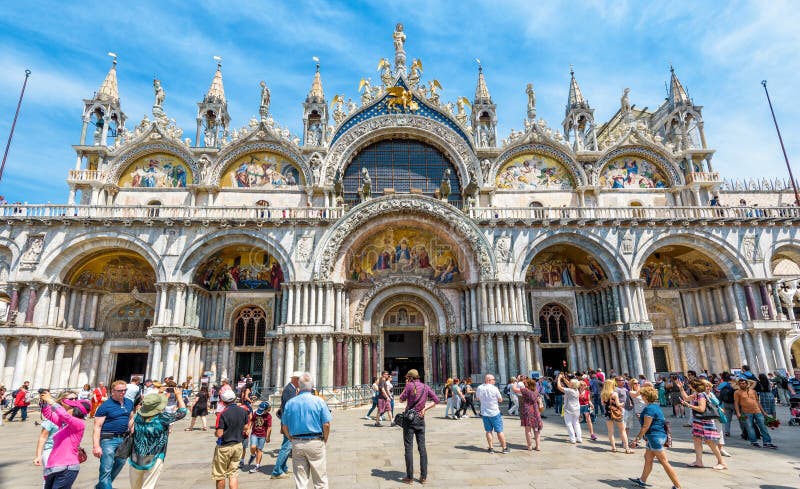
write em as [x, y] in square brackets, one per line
[721, 51]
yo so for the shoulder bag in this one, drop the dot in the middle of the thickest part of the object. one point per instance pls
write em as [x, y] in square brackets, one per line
[614, 411]
[710, 411]
[125, 448]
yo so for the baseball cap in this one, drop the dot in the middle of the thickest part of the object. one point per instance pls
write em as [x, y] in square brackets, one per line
[228, 396]
[262, 407]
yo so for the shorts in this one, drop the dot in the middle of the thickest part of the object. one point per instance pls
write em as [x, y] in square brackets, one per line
[493, 423]
[258, 441]
[629, 418]
[655, 443]
[226, 461]
[584, 409]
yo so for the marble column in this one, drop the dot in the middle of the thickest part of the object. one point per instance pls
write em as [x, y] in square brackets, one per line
[225, 364]
[94, 364]
[649, 359]
[701, 345]
[39, 374]
[581, 354]
[155, 359]
[357, 361]
[522, 348]
[636, 354]
[787, 352]
[766, 300]
[777, 351]
[731, 304]
[502, 374]
[75, 369]
[19, 366]
[337, 362]
[302, 353]
[365, 370]
[763, 361]
[93, 312]
[482, 355]
[473, 296]
[572, 356]
[609, 362]
[751, 301]
[537, 354]
[327, 354]
[750, 350]
[183, 361]
[58, 360]
[475, 355]
[311, 290]
[313, 357]
[491, 364]
[719, 351]
[104, 372]
[289, 292]
[169, 366]
[347, 367]
[490, 304]
[513, 364]
[31, 308]
[375, 357]
[592, 357]
[453, 367]
[624, 366]
[266, 373]
[280, 362]
[484, 307]
[289, 359]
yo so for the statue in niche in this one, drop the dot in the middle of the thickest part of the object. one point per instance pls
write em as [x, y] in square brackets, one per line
[366, 186]
[263, 110]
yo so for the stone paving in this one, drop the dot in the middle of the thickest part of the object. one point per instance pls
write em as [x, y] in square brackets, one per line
[363, 456]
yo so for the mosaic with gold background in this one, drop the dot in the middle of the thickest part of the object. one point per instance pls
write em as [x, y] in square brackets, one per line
[117, 271]
[534, 172]
[240, 268]
[263, 170]
[158, 170]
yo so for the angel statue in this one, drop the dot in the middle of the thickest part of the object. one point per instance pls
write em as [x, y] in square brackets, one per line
[433, 97]
[461, 115]
[531, 101]
[351, 106]
[338, 192]
[366, 86]
[444, 187]
[416, 71]
[263, 109]
[338, 109]
[385, 69]
[366, 186]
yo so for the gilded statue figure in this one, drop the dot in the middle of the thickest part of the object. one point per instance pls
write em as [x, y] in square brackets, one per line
[385, 69]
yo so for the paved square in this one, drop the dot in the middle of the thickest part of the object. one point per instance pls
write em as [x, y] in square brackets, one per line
[363, 456]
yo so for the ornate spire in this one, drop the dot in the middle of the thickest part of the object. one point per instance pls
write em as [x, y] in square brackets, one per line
[216, 92]
[677, 95]
[316, 94]
[575, 95]
[481, 90]
[108, 91]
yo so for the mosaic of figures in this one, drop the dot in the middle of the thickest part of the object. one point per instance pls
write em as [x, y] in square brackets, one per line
[136, 316]
[675, 267]
[406, 251]
[240, 268]
[156, 171]
[632, 172]
[533, 172]
[261, 170]
[115, 272]
[564, 267]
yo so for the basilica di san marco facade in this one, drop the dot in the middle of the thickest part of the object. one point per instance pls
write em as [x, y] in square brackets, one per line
[399, 231]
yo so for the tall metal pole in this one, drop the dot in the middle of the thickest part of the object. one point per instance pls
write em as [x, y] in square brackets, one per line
[14, 124]
[785, 157]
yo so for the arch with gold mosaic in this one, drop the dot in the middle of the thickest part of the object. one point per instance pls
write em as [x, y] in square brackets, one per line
[535, 167]
[114, 271]
[261, 166]
[635, 168]
[157, 165]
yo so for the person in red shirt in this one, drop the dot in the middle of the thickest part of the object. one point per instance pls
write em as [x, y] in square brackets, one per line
[99, 396]
[260, 433]
[20, 403]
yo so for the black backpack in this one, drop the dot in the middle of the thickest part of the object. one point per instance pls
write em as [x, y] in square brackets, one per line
[726, 394]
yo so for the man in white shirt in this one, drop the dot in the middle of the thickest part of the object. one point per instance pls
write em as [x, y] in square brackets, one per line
[489, 396]
[514, 409]
[132, 390]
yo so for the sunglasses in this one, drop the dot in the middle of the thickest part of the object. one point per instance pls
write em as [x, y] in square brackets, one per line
[120, 390]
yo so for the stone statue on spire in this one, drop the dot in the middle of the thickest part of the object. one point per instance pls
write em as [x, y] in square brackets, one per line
[263, 109]
[531, 102]
[158, 110]
[399, 49]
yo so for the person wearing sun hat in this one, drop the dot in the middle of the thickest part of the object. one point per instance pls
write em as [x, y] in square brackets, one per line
[150, 437]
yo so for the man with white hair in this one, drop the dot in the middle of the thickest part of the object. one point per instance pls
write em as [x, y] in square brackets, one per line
[281, 469]
[306, 422]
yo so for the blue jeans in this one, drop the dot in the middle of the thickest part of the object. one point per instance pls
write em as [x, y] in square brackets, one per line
[61, 480]
[762, 427]
[281, 464]
[558, 403]
[110, 465]
[374, 405]
[15, 410]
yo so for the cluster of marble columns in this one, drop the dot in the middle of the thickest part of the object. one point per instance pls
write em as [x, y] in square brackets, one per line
[48, 362]
[630, 352]
[611, 304]
[710, 305]
[765, 351]
[504, 303]
[311, 303]
[762, 300]
[503, 354]
[181, 357]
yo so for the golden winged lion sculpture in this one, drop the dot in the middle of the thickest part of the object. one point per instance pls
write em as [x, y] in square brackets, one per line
[400, 100]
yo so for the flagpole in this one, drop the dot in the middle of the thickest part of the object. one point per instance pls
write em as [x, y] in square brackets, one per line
[14, 124]
[783, 148]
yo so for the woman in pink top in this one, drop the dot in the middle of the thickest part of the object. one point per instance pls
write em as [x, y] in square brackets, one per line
[67, 413]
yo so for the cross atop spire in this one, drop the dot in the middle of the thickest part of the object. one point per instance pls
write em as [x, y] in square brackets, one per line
[575, 99]
[316, 94]
[108, 91]
[481, 90]
[677, 95]
[216, 92]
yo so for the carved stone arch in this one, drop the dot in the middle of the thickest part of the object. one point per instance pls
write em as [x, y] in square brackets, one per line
[408, 285]
[538, 148]
[613, 265]
[652, 153]
[656, 306]
[236, 150]
[406, 126]
[57, 261]
[719, 251]
[415, 301]
[566, 311]
[789, 247]
[14, 251]
[198, 251]
[154, 140]
[329, 248]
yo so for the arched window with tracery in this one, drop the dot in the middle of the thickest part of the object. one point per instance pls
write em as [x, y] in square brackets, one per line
[554, 323]
[250, 327]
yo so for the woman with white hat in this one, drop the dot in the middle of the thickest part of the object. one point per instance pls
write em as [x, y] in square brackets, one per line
[150, 437]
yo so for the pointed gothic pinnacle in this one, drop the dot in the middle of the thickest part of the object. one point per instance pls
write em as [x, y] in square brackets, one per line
[575, 95]
[677, 95]
[108, 90]
[216, 92]
[481, 90]
[316, 92]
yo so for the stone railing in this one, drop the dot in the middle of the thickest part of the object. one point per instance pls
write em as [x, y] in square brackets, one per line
[703, 177]
[631, 213]
[165, 212]
[85, 175]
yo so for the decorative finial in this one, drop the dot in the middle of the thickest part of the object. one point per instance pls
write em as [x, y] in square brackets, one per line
[316, 60]
[480, 66]
[571, 70]
[219, 61]
[113, 55]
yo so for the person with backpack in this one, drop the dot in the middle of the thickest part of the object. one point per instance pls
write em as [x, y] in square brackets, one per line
[725, 395]
[785, 390]
[21, 402]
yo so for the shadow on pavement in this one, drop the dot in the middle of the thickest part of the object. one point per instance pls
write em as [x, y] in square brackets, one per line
[389, 475]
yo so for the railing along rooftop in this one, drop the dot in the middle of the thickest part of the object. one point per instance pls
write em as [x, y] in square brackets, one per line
[167, 212]
[706, 213]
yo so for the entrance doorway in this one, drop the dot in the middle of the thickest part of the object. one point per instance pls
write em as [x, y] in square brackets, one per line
[660, 357]
[554, 359]
[250, 362]
[130, 364]
[403, 351]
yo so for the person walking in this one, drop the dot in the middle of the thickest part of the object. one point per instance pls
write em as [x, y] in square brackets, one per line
[66, 412]
[281, 469]
[419, 399]
[231, 425]
[674, 395]
[490, 398]
[307, 423]
[654, 432]
[21, 403]
[765, 395]
[150, 437]
[469, 398]
[384, 399]
[99, 396]
[200, 408]
[45, 443]
[725, 391]
[613, 412]
[703, 429]
[530, 417]
[375, 397]
[596, 387]
[513, 408]
[260, 433]
[447, 392]
[458, 398]
[587, 407]
[572, 408]
[112, 421]
[750, 411]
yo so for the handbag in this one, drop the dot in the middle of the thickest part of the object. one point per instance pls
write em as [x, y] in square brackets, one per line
[82, 457]
[614, 411]
[125, 448]
[709, 413]
[399, 420]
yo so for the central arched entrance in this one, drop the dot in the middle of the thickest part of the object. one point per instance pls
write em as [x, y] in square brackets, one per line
[403, 328]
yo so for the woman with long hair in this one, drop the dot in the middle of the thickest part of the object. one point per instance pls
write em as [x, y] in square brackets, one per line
[448, 397]
[530, 416]
[765, 395]
[86, 392]
[613, 409]
[200, 409]
[703, 430]
[654, 431]
[375, 396]
[66, 412]
[587, 407]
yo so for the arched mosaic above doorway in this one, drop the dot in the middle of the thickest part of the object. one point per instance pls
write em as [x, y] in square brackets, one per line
[240, 267]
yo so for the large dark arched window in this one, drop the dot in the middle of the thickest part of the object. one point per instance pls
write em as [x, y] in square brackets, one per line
[403, 165]
[554, 325]
[250, 327]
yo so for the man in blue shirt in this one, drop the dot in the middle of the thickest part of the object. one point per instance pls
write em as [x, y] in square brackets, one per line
[111, 422]
[281, 469]
[306, 422]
